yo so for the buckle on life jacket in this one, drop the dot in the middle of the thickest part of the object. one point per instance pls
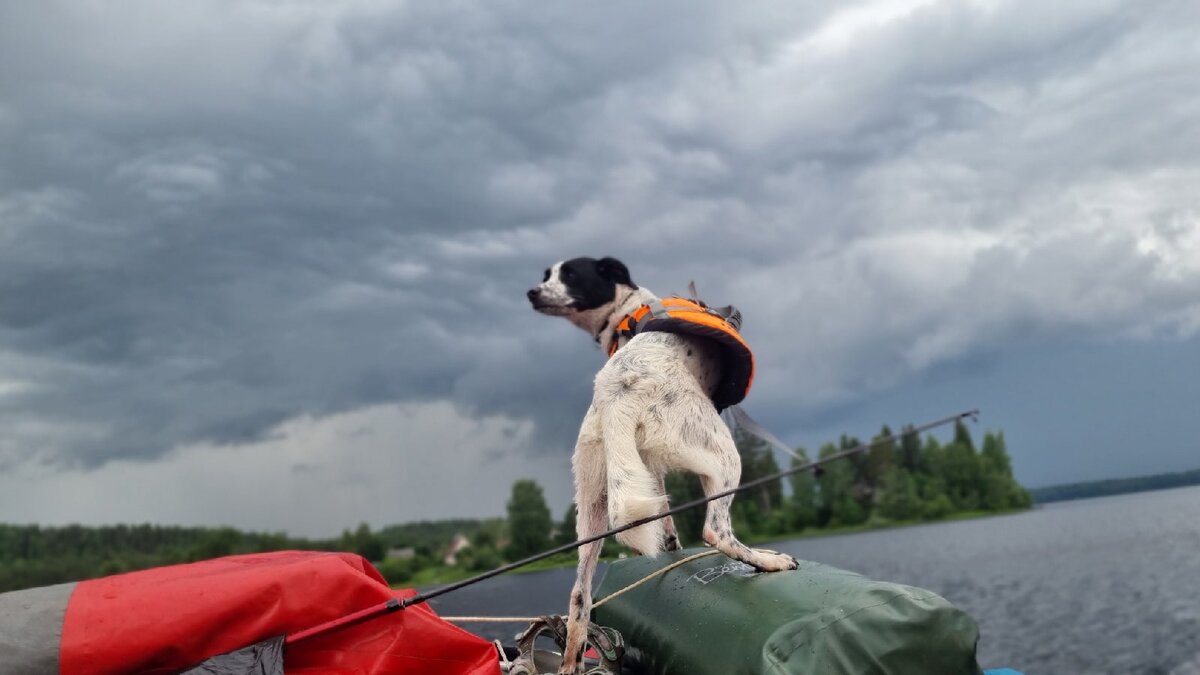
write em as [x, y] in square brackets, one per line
[627, 329]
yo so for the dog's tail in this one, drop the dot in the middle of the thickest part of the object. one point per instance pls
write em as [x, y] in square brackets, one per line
[633, 491]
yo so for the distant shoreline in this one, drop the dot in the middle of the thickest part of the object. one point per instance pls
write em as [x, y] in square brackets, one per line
[1114, 486]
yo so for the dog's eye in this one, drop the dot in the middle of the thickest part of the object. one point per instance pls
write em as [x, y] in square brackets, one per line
[567, 273]
[546, 276]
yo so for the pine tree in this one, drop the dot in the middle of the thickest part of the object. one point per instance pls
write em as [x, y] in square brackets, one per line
[962, 435]
[935, 503]
[802, 507]
[880, 459]
[758, 460]
[753, 510]
[995, 490]
[900, 500]
[837, 504]
[528, 520]
[961, 470]
[368, 545]
[566, 529]
[995, 455]
[862, 492]
[1002, 490]
[910, 449]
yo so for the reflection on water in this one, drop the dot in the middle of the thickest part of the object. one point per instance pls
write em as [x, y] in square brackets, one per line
[1108, 585]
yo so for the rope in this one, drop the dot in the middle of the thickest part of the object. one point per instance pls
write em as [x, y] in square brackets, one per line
[653, 574]
[490, 619]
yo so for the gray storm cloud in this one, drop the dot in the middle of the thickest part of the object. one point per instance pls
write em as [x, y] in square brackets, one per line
[215, 218]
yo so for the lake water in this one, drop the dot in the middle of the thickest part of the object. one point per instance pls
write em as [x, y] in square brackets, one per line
[1089, 587]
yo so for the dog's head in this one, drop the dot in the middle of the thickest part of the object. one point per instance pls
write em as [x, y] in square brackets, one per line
[579, 285]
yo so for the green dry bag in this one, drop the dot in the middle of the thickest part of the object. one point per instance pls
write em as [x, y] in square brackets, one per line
[717, 616]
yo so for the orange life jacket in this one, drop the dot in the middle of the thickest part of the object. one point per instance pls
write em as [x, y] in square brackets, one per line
[681, 315]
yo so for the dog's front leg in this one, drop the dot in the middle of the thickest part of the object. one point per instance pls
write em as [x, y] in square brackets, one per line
[592, 520]
[591, 504]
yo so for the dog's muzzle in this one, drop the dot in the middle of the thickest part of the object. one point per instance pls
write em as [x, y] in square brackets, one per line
[536, 299]
[547, 305]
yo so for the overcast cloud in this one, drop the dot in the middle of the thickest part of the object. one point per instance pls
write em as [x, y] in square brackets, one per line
[286, 243]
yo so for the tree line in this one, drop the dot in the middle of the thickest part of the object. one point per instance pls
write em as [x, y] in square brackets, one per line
[1116, 486]
[32, 555]
[900, 478]
[911, 479]
[896, 481]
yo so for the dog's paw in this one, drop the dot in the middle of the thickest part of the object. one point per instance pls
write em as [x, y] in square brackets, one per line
[774, 562]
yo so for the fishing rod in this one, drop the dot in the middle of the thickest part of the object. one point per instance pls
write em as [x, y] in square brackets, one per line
[395, 605]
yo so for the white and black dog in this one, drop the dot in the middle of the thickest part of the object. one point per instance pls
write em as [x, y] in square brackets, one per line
[651, 413]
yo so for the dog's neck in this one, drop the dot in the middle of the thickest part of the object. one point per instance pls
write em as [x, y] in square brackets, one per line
[601, 323]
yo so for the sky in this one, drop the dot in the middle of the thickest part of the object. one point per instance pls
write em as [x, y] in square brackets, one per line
[263, 264]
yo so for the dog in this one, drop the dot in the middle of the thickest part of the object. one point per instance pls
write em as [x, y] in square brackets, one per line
[651, 413]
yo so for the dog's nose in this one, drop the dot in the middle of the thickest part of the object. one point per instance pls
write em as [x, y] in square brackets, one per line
[533, 293]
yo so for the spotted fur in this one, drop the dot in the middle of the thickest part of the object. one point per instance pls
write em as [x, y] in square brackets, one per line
[651, 413]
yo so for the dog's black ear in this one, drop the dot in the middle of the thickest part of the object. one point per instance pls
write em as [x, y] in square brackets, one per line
[615, 271]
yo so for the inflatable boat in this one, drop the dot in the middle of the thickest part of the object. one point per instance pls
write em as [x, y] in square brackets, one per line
[303, 612]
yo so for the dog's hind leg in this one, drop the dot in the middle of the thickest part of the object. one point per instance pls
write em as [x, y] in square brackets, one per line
[634, 492]
[718, 532]
[721, 470]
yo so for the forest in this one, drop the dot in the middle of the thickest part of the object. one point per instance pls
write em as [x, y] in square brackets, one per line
[899, 481]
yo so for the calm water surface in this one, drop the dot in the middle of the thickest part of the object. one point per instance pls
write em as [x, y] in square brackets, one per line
[1098, 586]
